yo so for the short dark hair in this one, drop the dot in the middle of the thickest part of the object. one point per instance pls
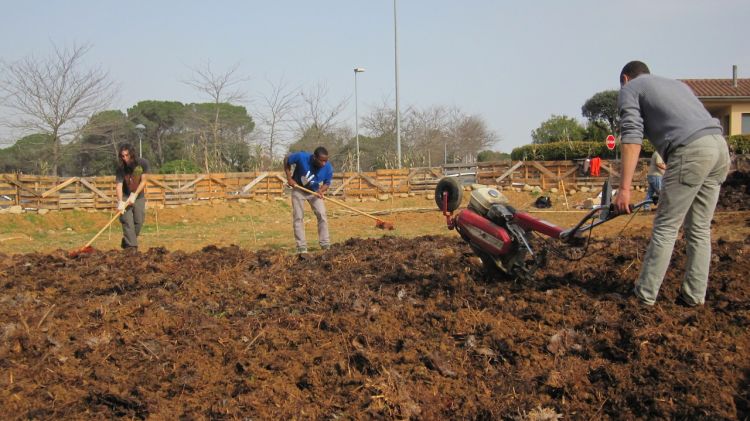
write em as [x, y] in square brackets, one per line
[321, 151]
[634, 69]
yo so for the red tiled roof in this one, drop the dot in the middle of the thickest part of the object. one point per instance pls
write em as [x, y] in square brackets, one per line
[719, 87]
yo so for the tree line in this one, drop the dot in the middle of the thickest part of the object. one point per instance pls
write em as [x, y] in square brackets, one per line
[602, 118]
[62, 106]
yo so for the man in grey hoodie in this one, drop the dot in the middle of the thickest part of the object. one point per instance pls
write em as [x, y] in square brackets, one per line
[667, 113]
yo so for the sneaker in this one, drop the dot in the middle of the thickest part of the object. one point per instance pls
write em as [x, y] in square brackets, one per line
[325, 247]
[636, 298]
[683, 301]
[301, 250]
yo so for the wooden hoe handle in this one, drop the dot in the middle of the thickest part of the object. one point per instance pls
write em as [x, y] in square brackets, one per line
[103, 228]
[341, 204]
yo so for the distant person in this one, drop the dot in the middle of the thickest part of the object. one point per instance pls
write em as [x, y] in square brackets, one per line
[313, 172]
[130, 181]
[656, 170]
[667, 112]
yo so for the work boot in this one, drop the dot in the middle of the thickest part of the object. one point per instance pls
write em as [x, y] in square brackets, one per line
[325, 247]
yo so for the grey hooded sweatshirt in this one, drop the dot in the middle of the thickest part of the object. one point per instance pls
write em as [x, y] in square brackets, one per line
[665, 111]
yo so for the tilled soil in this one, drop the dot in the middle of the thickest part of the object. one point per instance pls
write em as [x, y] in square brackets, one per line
[735, 192]
[382, 328]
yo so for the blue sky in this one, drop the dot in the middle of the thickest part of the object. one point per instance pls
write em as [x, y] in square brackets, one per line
[514, 63]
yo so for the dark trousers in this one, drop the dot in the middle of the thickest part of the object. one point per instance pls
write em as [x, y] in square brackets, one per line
[132, 222]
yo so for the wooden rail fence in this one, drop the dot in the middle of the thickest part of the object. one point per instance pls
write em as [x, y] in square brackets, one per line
[44, 192]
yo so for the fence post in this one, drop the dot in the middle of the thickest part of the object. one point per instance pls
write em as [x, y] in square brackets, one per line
[18, 191]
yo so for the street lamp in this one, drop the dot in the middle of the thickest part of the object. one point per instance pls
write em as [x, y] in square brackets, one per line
[356, 111]
[395, 60]
[139, 129]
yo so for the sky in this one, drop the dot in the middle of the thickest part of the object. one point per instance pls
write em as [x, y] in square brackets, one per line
[514, 63]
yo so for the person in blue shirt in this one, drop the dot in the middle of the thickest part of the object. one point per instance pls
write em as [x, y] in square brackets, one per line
[313, 172]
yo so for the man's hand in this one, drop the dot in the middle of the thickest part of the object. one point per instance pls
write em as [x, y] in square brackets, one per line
[121, 206]
[291, 182]
[131, 198]
[622, 201]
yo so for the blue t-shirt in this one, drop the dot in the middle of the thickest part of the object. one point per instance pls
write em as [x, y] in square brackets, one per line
[305, 173]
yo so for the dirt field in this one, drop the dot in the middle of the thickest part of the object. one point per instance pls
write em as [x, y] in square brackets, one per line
[382, 327]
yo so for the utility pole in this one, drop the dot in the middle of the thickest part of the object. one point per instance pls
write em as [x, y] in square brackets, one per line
[398, 114]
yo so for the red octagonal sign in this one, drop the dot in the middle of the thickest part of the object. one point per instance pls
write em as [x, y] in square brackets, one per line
[610, 142]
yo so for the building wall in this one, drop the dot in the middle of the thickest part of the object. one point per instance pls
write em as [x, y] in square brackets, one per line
[735, 118]
[730, 115]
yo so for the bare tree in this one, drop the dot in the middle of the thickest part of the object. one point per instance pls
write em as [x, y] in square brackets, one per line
[426, 134]
[470, 135]
[381, 121]
[447, 133]
[275, 116]
[316, 113]
[220, 87]
[56, 95]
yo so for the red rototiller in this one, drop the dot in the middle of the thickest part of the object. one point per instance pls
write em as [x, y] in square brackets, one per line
[501, 236]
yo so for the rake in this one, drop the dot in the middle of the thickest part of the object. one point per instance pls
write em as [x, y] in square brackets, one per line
[379, 223]
[87, 249]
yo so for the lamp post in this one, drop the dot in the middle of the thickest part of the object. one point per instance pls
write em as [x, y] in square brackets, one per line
[139, 129]
[395, 60]
[356, 111]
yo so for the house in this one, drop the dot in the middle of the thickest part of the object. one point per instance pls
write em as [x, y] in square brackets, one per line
[726, 99]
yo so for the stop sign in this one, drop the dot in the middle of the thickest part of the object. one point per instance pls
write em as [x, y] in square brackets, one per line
[610, 142]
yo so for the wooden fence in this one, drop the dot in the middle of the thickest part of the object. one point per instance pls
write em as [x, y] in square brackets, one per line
[40, 192]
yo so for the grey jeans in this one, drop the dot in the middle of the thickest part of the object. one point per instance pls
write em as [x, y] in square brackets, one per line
[298, 218]
[132, 222]
[689, 192]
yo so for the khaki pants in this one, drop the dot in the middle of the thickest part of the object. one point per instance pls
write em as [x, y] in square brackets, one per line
[689, 192]
[132, 222]
[298, 219]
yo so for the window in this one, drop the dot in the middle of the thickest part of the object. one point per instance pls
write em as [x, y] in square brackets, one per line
[745, 123]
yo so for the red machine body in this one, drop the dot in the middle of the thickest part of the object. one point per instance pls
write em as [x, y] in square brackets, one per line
[501, 236]
[529, 223]
[480, 231]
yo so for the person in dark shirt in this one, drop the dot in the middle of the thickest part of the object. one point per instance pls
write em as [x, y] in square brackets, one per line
[130, 182]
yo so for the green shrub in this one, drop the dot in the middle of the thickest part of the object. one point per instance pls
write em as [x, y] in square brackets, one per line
[739, 144]
[561, 151]
[492, 156]
[179, 166]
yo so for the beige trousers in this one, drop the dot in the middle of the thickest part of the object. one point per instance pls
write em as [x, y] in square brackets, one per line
[298, 219]
[689, 192]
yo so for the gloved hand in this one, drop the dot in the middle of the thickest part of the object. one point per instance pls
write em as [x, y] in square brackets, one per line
[131, 199]
[121, 206]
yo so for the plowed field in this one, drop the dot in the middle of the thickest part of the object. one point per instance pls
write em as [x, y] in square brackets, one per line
[378, 328]
[386, 328]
